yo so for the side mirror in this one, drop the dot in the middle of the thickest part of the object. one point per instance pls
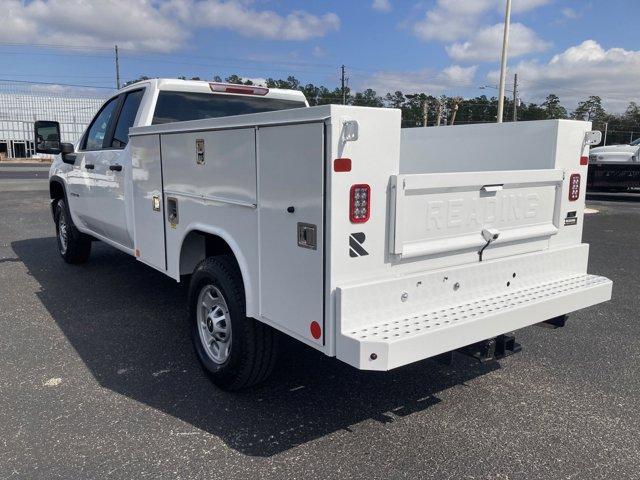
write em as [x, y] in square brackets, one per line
[67, 151]
[47, 137]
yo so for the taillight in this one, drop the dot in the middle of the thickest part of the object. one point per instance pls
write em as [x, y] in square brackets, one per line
[584, 160]
[359, 203]
[242, 89]
[574, 187]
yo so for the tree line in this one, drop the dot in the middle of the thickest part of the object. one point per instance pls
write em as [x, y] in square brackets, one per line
[446, 110]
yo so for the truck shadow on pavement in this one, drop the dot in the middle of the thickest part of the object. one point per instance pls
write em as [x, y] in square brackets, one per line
[128, 325]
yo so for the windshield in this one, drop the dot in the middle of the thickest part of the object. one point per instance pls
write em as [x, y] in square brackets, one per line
[635, 142]
[183, 106]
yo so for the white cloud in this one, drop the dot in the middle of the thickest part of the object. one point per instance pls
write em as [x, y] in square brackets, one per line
[260, 81]
[486, 44]
[90, 24]
[237, 15]
[435, 83]
[520, 6]
[452, 20]
[156, 25]
[570, 13]
[381, 5]
[318, 52]
[580, 71]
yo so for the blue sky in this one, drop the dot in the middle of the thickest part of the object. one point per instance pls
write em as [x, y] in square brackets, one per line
[571, 47]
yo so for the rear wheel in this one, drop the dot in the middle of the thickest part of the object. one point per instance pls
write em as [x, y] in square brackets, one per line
[73, 245]
[235, 351]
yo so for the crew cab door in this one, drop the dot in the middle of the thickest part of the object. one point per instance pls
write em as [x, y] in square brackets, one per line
[105, 162]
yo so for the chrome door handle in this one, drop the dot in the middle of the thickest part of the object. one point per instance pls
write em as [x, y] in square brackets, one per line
[491, 188]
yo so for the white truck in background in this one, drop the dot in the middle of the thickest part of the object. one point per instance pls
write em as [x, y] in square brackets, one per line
[614, 167]
[376, 245]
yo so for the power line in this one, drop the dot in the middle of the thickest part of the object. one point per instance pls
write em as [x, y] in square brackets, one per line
[52, 83]
[54, 45]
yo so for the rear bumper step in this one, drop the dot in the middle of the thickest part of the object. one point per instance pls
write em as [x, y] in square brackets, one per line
[395, 342]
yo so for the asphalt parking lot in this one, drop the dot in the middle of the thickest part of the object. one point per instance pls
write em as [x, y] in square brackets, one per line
[98, 380]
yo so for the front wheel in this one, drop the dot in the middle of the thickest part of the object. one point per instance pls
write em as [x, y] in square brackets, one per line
[73, 245]
[235, 351]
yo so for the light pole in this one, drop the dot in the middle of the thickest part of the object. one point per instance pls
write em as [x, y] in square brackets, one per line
[503, 64]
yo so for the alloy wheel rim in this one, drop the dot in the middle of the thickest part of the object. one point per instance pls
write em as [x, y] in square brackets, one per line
[214, 324]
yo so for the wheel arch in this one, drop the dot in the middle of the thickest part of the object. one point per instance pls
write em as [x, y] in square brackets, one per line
[57, 191]
[200, 242]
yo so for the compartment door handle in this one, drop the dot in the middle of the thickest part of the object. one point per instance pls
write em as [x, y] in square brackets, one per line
[491, 188]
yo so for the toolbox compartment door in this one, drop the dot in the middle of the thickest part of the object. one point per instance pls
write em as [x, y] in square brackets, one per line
[290, 209]
[148, 202]
[438, 214]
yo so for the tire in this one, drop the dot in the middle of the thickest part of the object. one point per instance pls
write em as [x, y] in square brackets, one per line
[73, 245]
[237, 357]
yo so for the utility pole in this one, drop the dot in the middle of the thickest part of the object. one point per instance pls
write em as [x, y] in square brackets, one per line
[455, 110]
[606, 127]
[117, 70]
[515, 97]
[425, 113]
[503, 63]
[344, 91]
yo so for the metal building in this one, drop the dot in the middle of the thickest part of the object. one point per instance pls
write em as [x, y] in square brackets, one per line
[23, 103]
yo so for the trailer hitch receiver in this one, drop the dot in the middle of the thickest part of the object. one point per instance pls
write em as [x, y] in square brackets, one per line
[493, 348]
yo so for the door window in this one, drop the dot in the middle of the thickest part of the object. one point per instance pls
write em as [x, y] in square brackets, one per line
[98, 129]
[126, 118]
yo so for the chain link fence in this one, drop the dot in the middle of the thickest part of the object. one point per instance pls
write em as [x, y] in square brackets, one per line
[21, 104]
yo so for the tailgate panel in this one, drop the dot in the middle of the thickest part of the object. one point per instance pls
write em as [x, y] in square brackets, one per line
[442, 213]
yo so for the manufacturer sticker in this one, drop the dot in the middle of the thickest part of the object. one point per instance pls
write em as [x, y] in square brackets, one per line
[356, 240]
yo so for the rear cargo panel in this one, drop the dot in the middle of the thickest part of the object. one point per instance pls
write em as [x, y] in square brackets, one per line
[439, 213]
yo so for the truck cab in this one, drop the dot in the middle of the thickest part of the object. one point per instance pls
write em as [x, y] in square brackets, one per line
[96, 177]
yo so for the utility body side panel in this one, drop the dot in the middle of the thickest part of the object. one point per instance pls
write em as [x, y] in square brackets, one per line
[235, 178]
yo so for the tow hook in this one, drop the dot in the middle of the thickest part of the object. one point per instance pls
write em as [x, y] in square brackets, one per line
[493, 348]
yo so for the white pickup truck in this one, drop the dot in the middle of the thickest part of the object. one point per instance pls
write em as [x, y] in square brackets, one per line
[614, 166]
[376, 245]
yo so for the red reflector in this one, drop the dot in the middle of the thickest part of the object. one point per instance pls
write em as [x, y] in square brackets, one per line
[359, 203]
[242, 89]
[574, 187]
[584, 160]
[316, 331]
[342, 165]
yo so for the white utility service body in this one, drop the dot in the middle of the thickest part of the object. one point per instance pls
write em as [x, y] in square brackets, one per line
[408, 283]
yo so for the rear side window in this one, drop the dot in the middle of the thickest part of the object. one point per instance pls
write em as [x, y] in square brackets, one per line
[126, 118]
[183, 106]
[98, 129]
